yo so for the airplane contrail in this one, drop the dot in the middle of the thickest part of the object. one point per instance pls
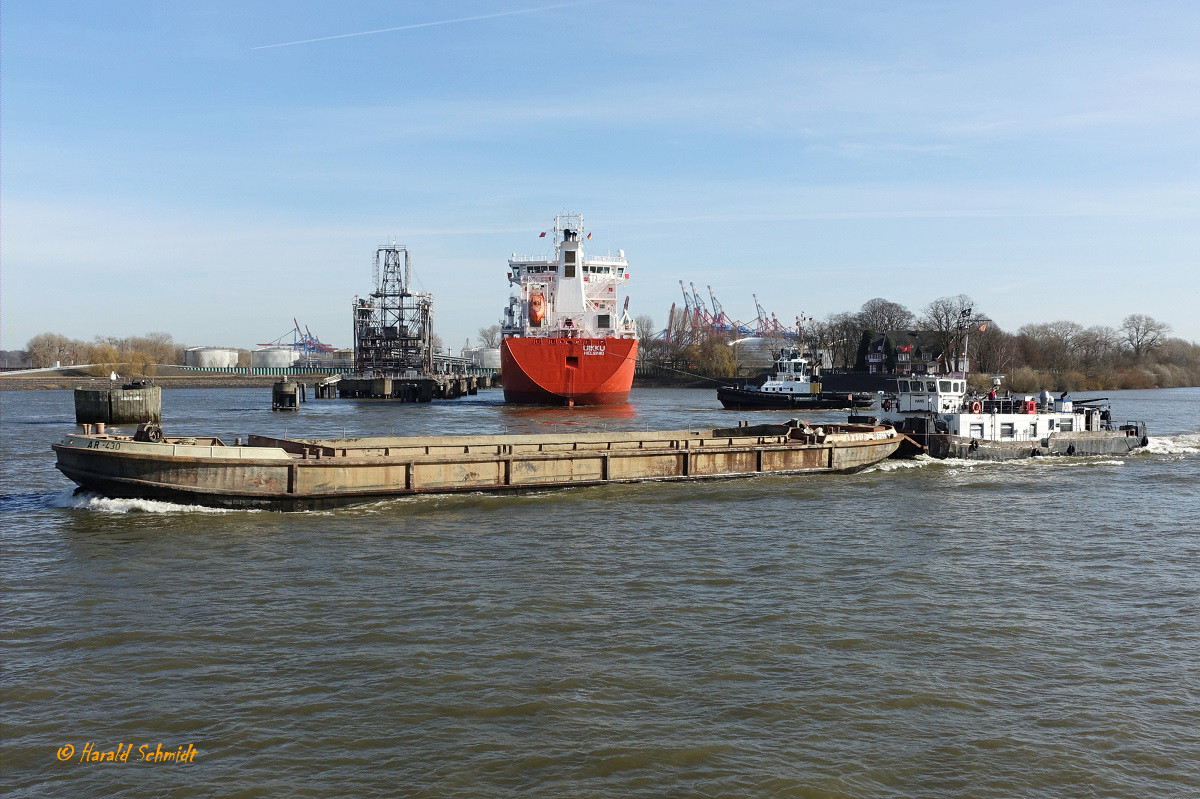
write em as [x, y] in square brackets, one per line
[426, 24]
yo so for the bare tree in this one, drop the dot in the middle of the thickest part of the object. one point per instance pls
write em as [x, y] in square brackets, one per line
[843, 332]
[159, 346]
[1143, 333]
[943, 316]
[489, 337]
[46, 348]
[1051, 345]
[645, 327]
[992, 350]
[879, 315]
[1096, 347]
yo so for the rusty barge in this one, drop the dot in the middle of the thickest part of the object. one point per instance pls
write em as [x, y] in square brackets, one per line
[302, 474]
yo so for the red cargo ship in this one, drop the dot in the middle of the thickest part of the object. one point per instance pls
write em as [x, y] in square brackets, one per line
[564, 341]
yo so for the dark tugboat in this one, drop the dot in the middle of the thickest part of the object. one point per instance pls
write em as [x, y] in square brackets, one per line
[795, 385]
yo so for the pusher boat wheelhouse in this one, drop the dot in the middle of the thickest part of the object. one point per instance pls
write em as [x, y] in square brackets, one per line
[942, 418]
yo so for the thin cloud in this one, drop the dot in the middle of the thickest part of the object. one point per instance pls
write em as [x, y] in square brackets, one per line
[427, 24]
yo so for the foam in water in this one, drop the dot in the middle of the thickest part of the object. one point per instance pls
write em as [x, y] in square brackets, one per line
[86, 501]
[1182, 444]
[955, 464]
[918, 462]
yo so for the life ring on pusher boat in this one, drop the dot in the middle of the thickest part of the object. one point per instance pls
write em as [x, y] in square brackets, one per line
[976, 407]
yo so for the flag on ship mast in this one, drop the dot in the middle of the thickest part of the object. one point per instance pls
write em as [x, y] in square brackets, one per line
[589, 235]
[542, 235]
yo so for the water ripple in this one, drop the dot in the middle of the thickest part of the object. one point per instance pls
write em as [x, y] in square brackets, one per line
[926, 628]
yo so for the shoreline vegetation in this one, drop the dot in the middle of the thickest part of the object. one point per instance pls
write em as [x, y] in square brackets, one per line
[1057, 356]
[699, 350]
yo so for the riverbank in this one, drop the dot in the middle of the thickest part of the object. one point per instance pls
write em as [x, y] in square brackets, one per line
[209, 380]
[70, 379]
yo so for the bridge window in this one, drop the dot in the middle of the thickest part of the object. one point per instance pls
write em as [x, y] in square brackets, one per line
[903, 386]
[944, 385]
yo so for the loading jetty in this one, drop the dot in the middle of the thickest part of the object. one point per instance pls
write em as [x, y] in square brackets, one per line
[394, 353]
[302, 474]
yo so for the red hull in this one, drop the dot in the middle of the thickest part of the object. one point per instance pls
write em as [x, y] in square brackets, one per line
[561, 371]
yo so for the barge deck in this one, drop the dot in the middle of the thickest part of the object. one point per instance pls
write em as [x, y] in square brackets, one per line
[301, 474]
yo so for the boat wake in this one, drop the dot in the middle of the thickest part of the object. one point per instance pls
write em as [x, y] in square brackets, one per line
[955, 464]
[919, 462]
[94, 502]
[1181, 444]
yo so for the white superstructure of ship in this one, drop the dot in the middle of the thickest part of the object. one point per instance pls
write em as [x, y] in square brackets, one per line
[566, 336]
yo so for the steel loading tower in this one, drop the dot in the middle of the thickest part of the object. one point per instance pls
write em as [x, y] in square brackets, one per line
[393, 328]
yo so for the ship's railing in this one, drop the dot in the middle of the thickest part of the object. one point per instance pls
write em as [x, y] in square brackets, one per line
[1130, 428]
[542, 258]
[1004, 405]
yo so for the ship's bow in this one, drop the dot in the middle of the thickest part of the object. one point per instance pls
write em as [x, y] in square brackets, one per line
[559, 371]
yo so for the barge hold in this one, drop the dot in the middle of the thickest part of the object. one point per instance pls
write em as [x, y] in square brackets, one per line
[301, 474]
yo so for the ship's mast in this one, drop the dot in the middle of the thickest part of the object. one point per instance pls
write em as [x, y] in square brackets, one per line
[569, 293]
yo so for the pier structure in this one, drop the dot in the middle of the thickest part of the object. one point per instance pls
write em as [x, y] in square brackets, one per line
[394, 356]
[393, 327]
[126, 404]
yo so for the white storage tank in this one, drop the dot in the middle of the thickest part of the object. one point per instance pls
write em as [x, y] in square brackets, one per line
[756, 353]
[273, 357]
[486, 357]
[210, 357]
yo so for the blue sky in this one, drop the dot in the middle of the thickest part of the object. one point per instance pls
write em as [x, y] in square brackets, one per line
[166, 169]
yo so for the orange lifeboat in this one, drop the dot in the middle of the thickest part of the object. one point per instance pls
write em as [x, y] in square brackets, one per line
[537, 308]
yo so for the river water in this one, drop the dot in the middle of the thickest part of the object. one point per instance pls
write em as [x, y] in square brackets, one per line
[921, 629]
